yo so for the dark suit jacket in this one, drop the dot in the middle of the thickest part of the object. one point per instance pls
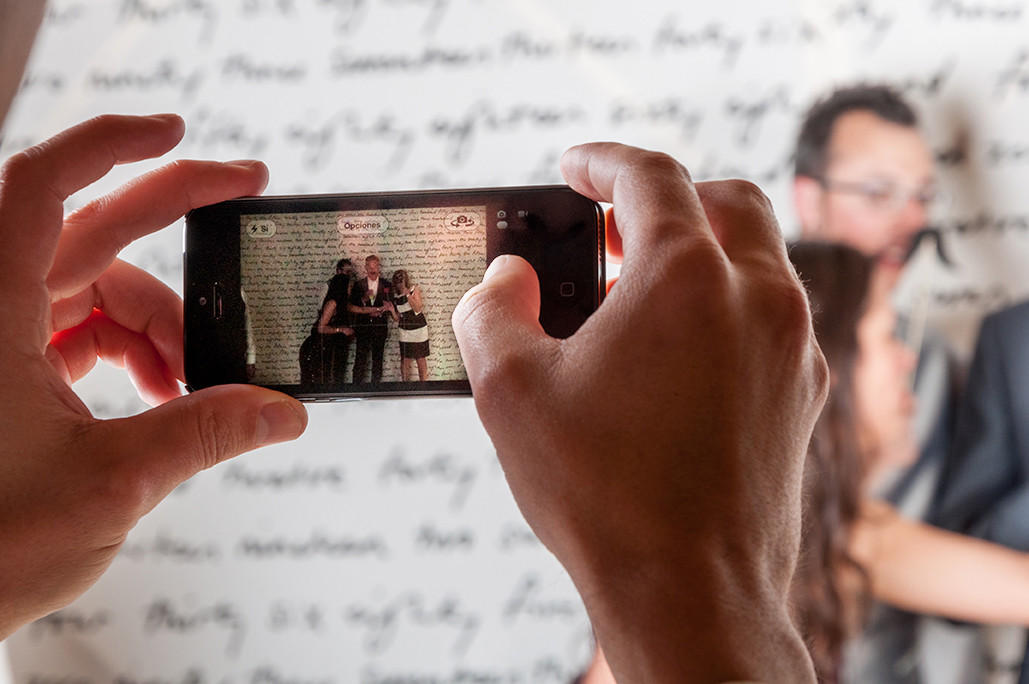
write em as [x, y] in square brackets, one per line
[359, 297]
[984, 488]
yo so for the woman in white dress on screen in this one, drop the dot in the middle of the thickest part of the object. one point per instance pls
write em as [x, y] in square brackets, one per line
[412, 328]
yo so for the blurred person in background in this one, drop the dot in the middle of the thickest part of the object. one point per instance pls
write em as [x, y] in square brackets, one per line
[865, 177]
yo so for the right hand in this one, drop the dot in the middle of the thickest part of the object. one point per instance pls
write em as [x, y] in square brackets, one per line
[658, 451]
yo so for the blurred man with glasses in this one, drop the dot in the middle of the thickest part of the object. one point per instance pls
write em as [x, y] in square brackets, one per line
[864, 173]
[865, 177]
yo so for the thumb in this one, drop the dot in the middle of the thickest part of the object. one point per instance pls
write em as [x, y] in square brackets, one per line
[498, 329]
[180, 438]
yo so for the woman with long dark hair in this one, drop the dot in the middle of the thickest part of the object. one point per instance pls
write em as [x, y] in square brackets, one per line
[830, 585]
[323, 355]
[868, 548]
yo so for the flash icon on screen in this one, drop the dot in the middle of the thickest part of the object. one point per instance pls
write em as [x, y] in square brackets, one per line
[261, 228]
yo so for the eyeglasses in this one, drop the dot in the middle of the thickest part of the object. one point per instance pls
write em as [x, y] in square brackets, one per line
[883, 195]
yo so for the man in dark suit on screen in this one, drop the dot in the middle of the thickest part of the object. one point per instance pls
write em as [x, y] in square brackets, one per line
[371, 306]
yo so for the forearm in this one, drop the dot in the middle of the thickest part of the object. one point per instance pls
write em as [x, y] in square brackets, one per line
[928, 570]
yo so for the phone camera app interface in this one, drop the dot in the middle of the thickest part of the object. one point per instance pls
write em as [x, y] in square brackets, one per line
[353, 297]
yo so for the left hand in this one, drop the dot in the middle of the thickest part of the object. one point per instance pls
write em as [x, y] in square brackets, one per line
[72, 486]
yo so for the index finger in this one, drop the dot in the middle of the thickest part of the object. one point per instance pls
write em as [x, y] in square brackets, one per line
[35, 183]
[95, 234]
[653, 196]
[655, 199]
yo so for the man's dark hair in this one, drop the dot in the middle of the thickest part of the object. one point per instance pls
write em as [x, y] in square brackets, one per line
[817, 127]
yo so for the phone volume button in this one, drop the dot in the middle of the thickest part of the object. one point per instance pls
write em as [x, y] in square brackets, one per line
[216, 302]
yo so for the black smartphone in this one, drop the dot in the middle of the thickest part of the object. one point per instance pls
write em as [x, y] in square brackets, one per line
[328, 297]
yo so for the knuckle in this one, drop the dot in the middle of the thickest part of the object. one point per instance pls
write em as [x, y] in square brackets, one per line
[737, 202]
[784, 306]
[104, 121]
[213, 438]
[787, 317]
[700, 260]
[793, 306]
[744, 190]
[702, 264]
[129, 489]
[91, 213]
[29, 172]
[180, 173]
[182, 166]
[22, 166]
[124, 491]
[504, 380]
[647, 164]
[819, 375]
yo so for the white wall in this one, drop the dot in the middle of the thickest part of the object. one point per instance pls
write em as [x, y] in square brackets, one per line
[341, 95]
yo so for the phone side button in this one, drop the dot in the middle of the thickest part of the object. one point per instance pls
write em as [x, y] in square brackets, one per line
[216, 301]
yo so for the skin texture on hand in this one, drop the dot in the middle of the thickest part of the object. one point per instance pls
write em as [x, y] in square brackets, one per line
[658, 451]
[71, 486]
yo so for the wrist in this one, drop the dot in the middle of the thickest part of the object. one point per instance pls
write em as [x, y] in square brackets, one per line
[733, 616]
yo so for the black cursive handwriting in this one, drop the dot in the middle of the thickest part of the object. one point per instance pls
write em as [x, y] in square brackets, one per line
[168, 616]
[671, 39]
[443, 469]
[382, 621]
[315, 544]
[527, 601]
[299, 475]
[70, 622]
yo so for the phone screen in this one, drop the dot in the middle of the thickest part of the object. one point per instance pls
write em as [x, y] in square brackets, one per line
[332, 296]
[389, 277]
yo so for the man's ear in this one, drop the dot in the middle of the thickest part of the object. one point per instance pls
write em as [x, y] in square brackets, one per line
[808, 196]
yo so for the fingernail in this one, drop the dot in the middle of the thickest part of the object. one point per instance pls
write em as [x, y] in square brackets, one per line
[245, 163]
[165, 117]
[495, 267]
[278, 422]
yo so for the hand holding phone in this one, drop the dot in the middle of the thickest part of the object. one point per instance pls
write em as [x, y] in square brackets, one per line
[71, 302]
[658, 452]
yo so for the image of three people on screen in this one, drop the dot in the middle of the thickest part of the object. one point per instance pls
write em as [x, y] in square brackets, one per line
[358, 310]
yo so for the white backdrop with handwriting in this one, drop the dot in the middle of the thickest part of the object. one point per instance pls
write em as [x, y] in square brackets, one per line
[383, 546]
